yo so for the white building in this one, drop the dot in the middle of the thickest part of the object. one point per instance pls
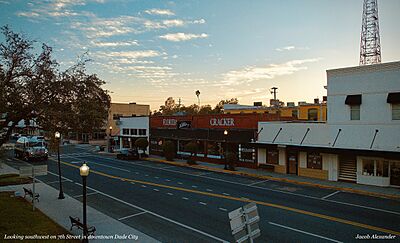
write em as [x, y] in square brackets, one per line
[132, 128]
[360, 141]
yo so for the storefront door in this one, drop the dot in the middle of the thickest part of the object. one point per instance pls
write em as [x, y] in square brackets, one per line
[395, 173]
[292, 163]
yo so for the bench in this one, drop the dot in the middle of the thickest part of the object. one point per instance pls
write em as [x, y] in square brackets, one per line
[266, 167]
[77, 223]
[30, 193]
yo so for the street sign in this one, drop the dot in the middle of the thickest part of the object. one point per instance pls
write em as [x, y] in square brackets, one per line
[38, 170]
[244, 223]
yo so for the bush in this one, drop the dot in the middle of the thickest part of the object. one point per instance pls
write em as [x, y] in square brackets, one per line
[231, 158]
[142, 144]
[169, 150]
[192, 149]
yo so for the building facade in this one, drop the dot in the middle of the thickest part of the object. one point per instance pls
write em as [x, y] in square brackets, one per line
[360, 142]
[131, 129]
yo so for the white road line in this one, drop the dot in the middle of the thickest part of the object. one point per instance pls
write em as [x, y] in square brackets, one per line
[223, 209]
[304, 232]
[156, 190]
[329, 195]
[226, 194]
[203, 203]
[180, 183]
[162, 217]
[185, 198]
[170, 194]
[87, 194]
[143, 186]
[264, 188]
[167, 180]
[245, 198]
[137, 173]
[9, 160]
[209, 190]
[206, 173]
[109, 166]
[172, 166]
[156, 177]
[258, 182]
[194, 186]
[51, 182]
[133, 215]
[133, 183]
[79, 184]
[51, 173]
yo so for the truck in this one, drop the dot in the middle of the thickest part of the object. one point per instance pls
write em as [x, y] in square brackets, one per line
[31, 148]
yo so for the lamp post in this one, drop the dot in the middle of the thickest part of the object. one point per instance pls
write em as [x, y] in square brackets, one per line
[109, 140]
[84, 172]
[226, 147]
[57, 135]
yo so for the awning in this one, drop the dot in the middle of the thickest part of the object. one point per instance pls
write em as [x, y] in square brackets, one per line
[353, 100]
[393, 98]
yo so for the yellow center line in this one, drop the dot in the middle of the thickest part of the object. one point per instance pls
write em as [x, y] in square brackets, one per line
[318, 215]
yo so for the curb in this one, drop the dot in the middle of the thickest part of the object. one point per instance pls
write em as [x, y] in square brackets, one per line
[265, 177]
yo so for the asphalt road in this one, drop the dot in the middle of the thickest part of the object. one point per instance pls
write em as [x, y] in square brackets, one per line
[175, 204]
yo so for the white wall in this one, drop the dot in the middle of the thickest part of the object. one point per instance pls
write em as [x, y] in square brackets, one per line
[282, 156]
[262, 155]
[330, 162]
[303, 160]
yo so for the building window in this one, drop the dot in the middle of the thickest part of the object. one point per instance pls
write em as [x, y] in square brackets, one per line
[125, 131]
[354, 112]
[373, 167]
[395, 111]
[295, 113]
[272, 157]
[133, 131]
[142, 132]
[314, 161]
[313, 114]
[214, 148]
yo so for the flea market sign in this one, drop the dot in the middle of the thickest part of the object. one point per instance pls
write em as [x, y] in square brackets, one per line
[169, 122]
[229, 122]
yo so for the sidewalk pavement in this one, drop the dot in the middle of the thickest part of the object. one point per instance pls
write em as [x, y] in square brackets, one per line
[376, 191]
[60, 210]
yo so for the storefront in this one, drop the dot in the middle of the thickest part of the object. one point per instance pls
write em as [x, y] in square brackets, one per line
[215, 135]
[131, 129]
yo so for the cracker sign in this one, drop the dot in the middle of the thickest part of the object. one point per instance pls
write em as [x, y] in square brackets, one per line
[224, 122]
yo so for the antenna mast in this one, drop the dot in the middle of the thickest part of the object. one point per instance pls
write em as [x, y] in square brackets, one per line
[370, 46]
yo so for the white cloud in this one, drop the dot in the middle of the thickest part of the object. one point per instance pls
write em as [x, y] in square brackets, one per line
[291, 48]
[173, 22]
[176, 37]
[199, 21]
[132, 54]
[160, 12]
[250, 74]
[115, 44]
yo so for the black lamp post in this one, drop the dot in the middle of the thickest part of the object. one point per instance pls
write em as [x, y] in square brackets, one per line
[57, 135]
[84, 172]
[109, 141]
[226, 147]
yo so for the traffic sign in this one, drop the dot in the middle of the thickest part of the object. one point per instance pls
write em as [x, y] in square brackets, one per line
[38, 170]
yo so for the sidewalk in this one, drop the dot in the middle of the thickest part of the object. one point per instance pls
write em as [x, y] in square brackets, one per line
[386, 192]
[60, 210]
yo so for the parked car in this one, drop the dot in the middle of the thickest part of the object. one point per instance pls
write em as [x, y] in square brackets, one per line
[30, 148]
[128, 154]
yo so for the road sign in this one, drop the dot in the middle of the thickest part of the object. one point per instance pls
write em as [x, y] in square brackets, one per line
[244, 224]
[38, 170]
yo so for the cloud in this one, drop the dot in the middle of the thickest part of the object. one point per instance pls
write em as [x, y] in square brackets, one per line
[291, 48]
[173, 22]
[176, 37]
[250, 74]
[132, 54]
[160, 12]
[199, 21]
[115, 44]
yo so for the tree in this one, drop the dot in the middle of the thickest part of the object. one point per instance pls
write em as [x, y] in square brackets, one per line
[169, 150]
[192, 148]
[220, 106]
[142, 144]
[231, 158]
[32, 87]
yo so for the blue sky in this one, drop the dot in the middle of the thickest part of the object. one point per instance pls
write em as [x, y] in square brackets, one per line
[149, 50]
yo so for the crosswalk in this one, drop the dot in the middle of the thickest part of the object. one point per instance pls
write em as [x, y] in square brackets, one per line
[69, 155]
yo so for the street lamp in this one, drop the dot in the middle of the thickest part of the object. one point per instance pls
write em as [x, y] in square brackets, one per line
[109, 141]
[226, 147]
[84, 172]
[57, 135]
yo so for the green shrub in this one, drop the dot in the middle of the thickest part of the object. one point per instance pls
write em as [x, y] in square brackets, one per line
[142, 144]
[169, 150]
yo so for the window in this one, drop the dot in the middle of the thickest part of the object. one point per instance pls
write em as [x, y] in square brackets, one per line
[313, 114]
[295, 113]
[125, 131]
[214, 148]
[272, 157]
[354, 112]
[372, 167]
[314, 161]
[396, 111]
[142, 132]
[133, 131]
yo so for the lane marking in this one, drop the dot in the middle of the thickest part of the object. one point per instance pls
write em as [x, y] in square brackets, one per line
[170, 194]
[156, 190]
[194, 186]
[205, 173]
[87, 194]
[329, 195]
[269, 189]
[180, 183]
[203, 203]
[304, 232]
[167, 180]
[133, 215]
[185, 198]
[133, 183]
[258, 182]
[51, 182]
[156, 177]
[51, 173]
[137, 173]
[209, 190]
[143, 185]
[109, 166]
[79, 184]
[226, 194]
[223, 209]
[146, 175]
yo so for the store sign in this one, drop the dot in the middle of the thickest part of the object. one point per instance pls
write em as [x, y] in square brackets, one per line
[169, 122]
[228, 122]
[184, 124]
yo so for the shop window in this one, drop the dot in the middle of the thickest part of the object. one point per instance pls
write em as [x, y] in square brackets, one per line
[182, 145]
[156, 145]
[354, 112]
[142, 132]
[201, 146]
[314, 161]
[375, 167]
[272, 157]
[133, 131]
[313, 114]
[125, 131]
[214, 148]
[295, 113]
[395, 111]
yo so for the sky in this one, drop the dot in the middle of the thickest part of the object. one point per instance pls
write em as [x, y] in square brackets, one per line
[149, 50]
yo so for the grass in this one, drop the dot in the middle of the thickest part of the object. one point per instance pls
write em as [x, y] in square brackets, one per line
[13, 179]
[18, 218]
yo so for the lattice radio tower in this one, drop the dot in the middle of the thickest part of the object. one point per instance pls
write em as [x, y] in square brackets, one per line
[370, 46]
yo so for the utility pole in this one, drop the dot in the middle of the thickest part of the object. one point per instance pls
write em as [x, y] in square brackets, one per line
[370, 46]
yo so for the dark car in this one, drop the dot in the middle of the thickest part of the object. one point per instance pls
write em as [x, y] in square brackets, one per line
[128, 154]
